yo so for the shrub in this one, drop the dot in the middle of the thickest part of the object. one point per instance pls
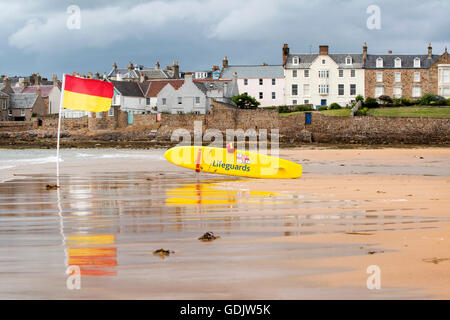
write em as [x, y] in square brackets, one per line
[362, 112]
[284, 109]
[359, 98]
[244, 101]
[302, 108]
[321, 108]
[334, 106]
[371, 103]
[448, 102]
[432, 100]
[385, 99]
[270, 108]
[407, 102]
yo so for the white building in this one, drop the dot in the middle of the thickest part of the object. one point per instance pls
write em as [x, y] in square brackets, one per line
[323, 78]
[130, 97]
[264, 82]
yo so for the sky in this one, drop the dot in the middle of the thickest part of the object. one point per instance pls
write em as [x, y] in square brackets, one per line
[53, 37]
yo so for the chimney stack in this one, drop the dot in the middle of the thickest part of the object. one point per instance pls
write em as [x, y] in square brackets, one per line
[364, 53]
[55, 80]
[188, 77]
[176, 70]
[157, 65]
[89, 75]
[430, 51]
[24, 84]
[285, 53]
[97, 76]
[225, 62]
[390, 52]
[6, 82]
[130, 66]
[323, 50]
[38, 90]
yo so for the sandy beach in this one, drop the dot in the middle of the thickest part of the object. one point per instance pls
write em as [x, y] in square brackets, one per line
[307, 238]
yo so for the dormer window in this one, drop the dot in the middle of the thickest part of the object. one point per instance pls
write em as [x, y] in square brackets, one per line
[398, 62]
[379, 62]
[348, 60]
[295, 60]
[416, 63]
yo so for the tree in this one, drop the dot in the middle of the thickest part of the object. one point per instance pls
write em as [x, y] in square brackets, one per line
[244, 101]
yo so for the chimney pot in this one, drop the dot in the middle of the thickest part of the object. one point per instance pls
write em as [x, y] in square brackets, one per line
[430, 51]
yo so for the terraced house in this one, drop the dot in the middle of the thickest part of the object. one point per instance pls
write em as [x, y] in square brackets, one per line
[406, 75]
[322, 78]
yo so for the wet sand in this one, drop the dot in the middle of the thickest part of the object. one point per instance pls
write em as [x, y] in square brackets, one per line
[308, 238]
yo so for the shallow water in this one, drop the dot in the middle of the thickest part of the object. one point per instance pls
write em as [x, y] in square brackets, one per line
[109, 223]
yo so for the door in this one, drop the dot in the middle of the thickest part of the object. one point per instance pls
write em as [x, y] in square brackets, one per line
[323, 102]
[130, 118]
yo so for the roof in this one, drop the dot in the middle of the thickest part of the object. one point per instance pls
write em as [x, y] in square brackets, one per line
[257, 71]
[45, 90]
[23, 100]
[156, 86]
[407, 61]
[305, 60]
[128, 88]
[150, 73]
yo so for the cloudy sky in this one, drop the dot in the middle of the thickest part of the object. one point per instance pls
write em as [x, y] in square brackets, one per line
[35, 38]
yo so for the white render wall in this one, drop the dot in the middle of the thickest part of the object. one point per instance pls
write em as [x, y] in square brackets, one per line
[314, 81]
[54, 98]
[253, 88]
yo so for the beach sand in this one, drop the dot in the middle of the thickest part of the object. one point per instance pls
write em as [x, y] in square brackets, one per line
[307, 238]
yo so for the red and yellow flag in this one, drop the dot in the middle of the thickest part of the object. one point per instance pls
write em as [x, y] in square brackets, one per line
[87, 94]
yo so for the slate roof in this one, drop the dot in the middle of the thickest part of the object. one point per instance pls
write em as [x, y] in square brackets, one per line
[407, 61]
[305, 60]
[258, 72]
[23, 100]
[45, 90]
[150, 73]
[128, 88]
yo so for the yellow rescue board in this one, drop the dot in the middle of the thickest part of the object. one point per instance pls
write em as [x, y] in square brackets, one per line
[233, 163]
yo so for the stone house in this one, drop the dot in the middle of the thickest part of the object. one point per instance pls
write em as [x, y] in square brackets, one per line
[139, 73]
[322, 78]
[401, 75]
[263, 82]
[194, 96]
[23, 106]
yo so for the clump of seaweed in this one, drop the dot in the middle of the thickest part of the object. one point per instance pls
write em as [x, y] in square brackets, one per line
[208, 236]
[51, 187]
[162, 253]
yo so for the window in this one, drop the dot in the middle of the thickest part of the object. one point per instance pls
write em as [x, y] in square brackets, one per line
[295, 60]
[340, 89]
[245, 82]
[398, 77]
[323, 61]
[260, 95]
[379, 63]
[273, 82]
[416, 91]
[197, 100]
[306, 73]
[379, 76]
[444, 75]
[111, 112]
[352, 73]
[341, 73]
[397, 63]
[180, 100]
[294, 89]
[348, 60]
[306, 101]
[397, 92]
[294, 102]
[273, 95]
[22, 112]
[260, 82]
[323, 89]
[164, 100]
[353, 89]
[294, 73]
[10, 112]
[416, 63]
[324, 73]
[4, 104]
[379, 91]
[416, 76]
[147, 101]
[306, 90]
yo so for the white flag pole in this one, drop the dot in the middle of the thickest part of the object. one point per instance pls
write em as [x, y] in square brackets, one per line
[59, 128]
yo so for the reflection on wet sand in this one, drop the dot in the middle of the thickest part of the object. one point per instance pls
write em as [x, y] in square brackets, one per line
[109, 224]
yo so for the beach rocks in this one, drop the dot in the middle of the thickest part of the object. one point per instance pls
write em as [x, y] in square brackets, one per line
[208, 236]
[51, 187]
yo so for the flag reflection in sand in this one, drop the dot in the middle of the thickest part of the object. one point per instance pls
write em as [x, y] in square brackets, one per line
[83, 251]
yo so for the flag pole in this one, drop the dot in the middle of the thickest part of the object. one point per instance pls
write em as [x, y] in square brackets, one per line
[59, 128]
